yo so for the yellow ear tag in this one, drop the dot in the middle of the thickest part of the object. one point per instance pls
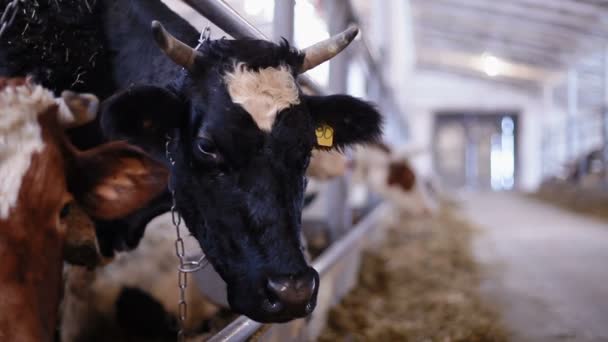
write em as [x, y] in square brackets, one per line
[325, 136]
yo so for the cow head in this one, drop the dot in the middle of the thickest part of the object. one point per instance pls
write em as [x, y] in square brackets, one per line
[42, 178]
[242, 133]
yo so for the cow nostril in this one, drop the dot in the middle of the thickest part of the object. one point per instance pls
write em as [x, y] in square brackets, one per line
[294, 292]
[272, 306]
[305, 284]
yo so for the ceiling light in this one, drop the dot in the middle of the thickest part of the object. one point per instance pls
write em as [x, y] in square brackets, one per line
[492, 65]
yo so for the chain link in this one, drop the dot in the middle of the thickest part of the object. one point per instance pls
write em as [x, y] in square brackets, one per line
[8, 15]
[185, 266]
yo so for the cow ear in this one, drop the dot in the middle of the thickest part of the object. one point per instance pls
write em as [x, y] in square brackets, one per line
[116, 179]
[142, 115]
[343, 120]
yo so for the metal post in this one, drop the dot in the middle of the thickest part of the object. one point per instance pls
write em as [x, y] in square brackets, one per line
[282, 24]
[229, 20]
[471, 153]
[605, 117]
[571, 129]
[338, 68]
[546, 143]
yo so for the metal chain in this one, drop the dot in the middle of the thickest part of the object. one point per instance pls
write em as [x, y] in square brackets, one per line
[185, 266]
[9, 14]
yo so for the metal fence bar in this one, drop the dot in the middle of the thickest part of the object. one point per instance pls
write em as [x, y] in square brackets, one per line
[283, 20]
[338, 249]
[605, 113]
[242, 328]
[239, 330]
[375, 67]
[572, 137]
[229, 20]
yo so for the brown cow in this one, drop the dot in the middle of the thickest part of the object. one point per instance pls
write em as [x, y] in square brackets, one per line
[41, 176]
[392, 176]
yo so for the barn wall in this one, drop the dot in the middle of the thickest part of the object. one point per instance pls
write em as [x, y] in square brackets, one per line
[430, 91]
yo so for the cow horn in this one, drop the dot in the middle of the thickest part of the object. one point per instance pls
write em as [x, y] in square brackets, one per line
[179, 52]
[327, 49]
[77, 109]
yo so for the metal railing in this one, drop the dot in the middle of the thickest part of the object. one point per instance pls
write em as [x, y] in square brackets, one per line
[229, 20]
[375, 66]
[346, 250]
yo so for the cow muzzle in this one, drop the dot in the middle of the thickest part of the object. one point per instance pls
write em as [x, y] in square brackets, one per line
[292, 296]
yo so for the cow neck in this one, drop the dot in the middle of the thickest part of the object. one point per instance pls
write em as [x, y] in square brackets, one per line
[30, 286]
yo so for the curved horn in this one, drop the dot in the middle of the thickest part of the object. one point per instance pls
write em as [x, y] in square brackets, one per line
[180, 53]
[76, 109]
[327, 49]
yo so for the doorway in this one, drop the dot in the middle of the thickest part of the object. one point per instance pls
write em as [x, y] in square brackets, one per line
[476, 150]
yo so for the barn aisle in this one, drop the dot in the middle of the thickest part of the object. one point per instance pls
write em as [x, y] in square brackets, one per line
[545, 268]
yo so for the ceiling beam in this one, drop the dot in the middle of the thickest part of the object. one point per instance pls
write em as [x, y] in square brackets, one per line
[508, 56]
[476, 62]
[493, 20]
[499, 30]
[456, 33]
[508, 50]
[563, 6]
[508, 9]
[515, 84]
[574, 48]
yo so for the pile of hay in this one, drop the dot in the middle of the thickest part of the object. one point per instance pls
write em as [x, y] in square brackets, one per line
[582, 200]
[60, 43]
[422, 285]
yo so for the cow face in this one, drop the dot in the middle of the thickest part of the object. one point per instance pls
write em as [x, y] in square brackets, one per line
[43, 178]
[242, 134]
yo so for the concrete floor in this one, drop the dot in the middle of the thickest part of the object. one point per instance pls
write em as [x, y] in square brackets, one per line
[545, 268]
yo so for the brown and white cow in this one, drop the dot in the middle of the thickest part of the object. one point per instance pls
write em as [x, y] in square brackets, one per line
[42, 179]
[325, 165]
[393, 177]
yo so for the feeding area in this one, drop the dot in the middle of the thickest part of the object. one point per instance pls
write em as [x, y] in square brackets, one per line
[303, 170]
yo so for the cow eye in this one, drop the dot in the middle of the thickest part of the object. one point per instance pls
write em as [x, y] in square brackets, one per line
[65, 210]
[206, 147]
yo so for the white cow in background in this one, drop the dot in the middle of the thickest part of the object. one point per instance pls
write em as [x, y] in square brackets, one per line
[390, 174]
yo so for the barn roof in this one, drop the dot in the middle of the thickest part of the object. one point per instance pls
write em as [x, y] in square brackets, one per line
[526, 42]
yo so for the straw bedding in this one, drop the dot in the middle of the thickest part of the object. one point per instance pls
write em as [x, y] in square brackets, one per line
[422, 285]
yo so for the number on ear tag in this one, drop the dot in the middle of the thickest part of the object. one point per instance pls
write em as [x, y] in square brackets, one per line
[325, 136]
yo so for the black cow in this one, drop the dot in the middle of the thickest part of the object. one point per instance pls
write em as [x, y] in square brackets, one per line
[241, 133]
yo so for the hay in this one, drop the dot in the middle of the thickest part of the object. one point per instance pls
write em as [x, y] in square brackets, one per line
[422, 285]
[60, 43]
[575, 198]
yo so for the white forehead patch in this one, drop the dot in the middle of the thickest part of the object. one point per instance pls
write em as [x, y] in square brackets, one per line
[20, 137]
[262, 93]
